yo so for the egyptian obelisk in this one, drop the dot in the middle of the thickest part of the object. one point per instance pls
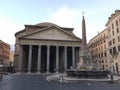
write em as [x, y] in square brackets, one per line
[85, 59]
[84, 44]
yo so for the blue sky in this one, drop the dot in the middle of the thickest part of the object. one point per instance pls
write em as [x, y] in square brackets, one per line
[14, 14]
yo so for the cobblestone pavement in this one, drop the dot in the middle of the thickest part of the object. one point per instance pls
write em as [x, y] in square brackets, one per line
[39, 82]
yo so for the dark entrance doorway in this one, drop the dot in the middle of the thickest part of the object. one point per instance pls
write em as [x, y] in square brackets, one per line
[61, 59]
[69, 57]
[34, 58]
[52, 59]
[25, 54]
[43, 58]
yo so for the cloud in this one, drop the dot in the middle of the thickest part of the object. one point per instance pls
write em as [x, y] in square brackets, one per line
[7, 30]
[64, 16]
[67, 17]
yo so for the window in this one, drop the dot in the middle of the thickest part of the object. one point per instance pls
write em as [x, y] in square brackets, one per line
[110, 51]
[114, 50]
[113, 33]
[104, 35]
[112, 26]
[103, 67]
[110, 43]
[105, 54]
[106, 65]
[101, 54]
[104, 41]
[118, 39]
[114, 41]
[117, 30]
[116, 23]
[118, 48]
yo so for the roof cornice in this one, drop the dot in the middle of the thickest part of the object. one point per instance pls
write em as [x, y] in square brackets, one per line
[113, 16]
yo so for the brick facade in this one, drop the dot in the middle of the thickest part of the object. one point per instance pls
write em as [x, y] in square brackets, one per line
[4, 53]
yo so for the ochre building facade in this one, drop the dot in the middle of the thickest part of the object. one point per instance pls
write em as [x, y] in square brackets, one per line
[113, 40]
[105, 47]
[98, 49]
[4, 53]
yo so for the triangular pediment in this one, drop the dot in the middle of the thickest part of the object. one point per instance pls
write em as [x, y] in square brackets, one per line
[52, 33]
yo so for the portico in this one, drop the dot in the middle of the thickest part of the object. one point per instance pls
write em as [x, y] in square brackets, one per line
[50, 60]
[47, 51]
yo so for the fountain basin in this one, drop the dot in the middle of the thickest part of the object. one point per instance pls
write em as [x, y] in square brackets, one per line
[87, 73]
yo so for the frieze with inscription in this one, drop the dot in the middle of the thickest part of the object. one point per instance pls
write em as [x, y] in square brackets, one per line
[50, 42]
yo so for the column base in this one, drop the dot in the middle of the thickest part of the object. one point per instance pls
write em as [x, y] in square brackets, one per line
[47, 72]
[28, 72]
[38, 72]
[56, 72]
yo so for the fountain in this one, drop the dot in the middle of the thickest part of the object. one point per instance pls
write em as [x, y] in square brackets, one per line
[87, 69]
[85, 66]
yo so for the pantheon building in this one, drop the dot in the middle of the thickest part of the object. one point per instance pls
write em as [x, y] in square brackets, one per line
[46, 48]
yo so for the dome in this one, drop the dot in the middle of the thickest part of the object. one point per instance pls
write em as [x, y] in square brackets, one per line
[46, 24]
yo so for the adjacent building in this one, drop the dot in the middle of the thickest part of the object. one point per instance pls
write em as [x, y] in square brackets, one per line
[113, 40]
[46, 48]
[105, 47]
[97, 48]
[4, 53]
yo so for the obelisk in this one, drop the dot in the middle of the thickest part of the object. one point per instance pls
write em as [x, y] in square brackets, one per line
[85, 62]
[84, 44]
